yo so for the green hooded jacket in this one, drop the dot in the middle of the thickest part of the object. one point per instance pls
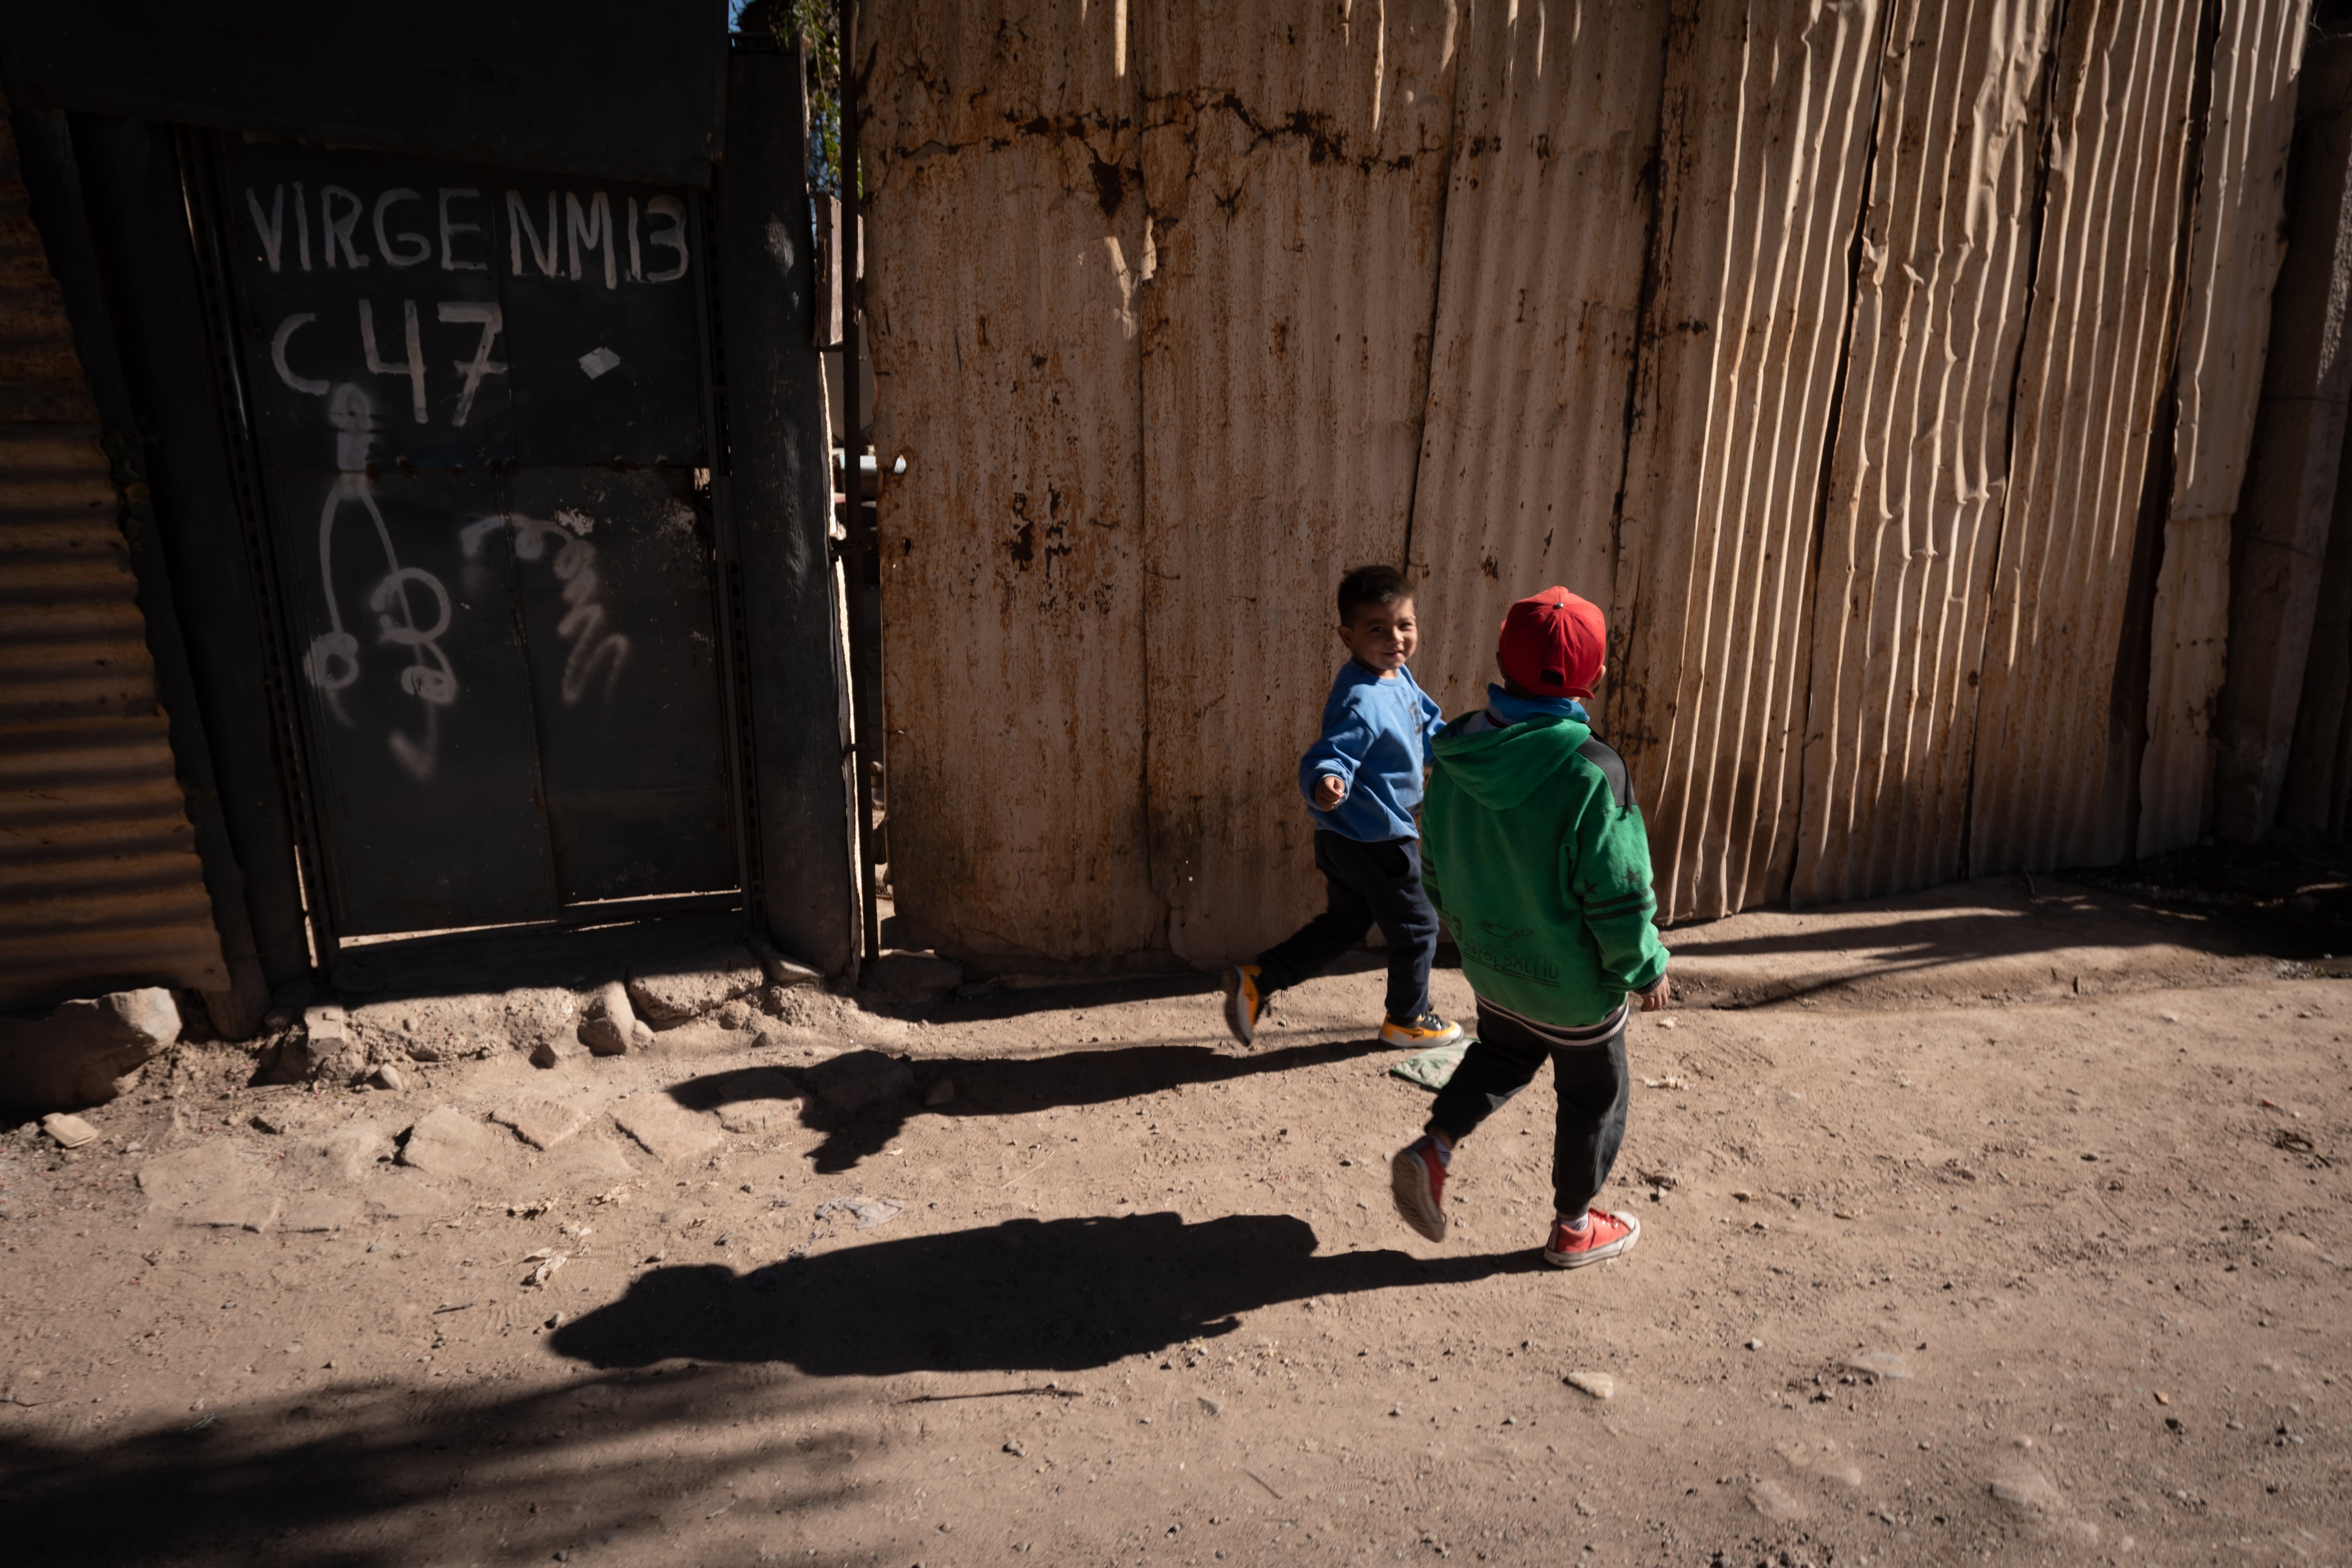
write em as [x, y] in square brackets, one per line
[1537, 861]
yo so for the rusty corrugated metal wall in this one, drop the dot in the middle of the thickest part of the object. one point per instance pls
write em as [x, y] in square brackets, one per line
[1884, 366]
[100, 883]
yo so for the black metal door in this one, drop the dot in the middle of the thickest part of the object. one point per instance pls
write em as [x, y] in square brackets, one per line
[481, 401]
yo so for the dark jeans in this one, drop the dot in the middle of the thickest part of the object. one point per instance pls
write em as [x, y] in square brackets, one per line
[1369, 884]
[1593, 1088]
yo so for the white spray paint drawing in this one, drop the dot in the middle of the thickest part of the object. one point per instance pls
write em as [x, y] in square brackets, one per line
[590, 651]
[332, 663]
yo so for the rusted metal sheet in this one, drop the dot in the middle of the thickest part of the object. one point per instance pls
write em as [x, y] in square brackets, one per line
[2236, 241]
[1294, 158]
[100, 883]
[1009, 242]
[1830, 344]
[1767, 128]
[2057, 735]
[1548, 215]
[1921, 456]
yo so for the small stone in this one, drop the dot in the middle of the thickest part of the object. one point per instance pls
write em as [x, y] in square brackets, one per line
[389, 1077]
[663, 1130]
[1768, 1498]
[448, 1143]
[940, 1093]
[1213, 1407]
[554, 1051]
[1012, 1447]
[69, 1131]
[1879, 1363]
[2027, 1489]
[734, 1014]
[1598, 1384]
[674, 992]
[84, 1052]
[542, 1123]
[1755, 1344]
[2170, 1017]
[781, 972]
[272, 1122]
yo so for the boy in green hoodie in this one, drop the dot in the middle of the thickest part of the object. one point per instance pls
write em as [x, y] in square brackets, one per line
[1534, 855]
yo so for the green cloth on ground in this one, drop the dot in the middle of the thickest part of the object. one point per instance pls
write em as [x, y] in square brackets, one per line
[1433, 1069]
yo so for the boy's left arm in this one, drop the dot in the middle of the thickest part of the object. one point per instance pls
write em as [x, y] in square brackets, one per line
[1610, 879]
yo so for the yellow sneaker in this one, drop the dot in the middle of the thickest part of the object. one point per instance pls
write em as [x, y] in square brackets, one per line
[1419, 1034]
[1243, 1003]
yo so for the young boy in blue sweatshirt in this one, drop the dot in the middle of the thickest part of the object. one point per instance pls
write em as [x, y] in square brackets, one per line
[1538, 861]
[1362, 781]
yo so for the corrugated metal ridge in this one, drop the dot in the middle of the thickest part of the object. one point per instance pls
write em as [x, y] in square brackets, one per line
[1546, 224]
[1767, 111]
[100, 882]
[2236, 245]
[1920, 464]
[2051, 760]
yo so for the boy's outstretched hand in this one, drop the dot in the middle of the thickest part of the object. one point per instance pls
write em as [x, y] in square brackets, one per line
[1329, 791]
[1658, 995]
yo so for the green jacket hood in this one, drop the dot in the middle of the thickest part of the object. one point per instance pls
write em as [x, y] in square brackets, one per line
[1501, 768]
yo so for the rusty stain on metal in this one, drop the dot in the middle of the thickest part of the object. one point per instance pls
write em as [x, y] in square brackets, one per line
[100, 883]
[1009, 243]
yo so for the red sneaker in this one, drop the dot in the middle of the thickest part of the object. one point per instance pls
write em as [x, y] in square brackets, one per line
[1605, 1235]
[1417, 1176]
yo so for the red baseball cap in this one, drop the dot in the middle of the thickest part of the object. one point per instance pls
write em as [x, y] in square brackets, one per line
[1553, 644]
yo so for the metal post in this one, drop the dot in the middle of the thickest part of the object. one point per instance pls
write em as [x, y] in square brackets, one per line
[860, 545]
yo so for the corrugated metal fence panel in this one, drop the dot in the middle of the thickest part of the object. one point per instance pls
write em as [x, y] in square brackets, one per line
[1921, 458]
[2235, 247]
[1538, 316]
[99, 884]
[1009, 241]
[1767, 131]
[1295, 163]
[2053, 761]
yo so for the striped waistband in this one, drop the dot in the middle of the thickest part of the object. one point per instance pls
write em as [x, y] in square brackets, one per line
[1560, 1034]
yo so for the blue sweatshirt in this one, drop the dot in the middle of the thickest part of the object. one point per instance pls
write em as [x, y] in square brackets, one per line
[1376, 736]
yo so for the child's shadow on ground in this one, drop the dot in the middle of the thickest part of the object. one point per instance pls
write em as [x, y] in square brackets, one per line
[1028, 1295]
[985, 1087]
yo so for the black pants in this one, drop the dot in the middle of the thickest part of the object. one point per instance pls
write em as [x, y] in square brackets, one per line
[1593, 1088]
[1369, 884]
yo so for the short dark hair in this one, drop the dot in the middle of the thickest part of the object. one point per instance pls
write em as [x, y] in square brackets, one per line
[1371, 587]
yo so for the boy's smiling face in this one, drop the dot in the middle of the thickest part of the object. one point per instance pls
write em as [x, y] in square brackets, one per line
[1382, 636]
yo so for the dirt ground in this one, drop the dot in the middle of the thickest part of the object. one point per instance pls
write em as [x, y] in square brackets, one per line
[2003, 1225]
